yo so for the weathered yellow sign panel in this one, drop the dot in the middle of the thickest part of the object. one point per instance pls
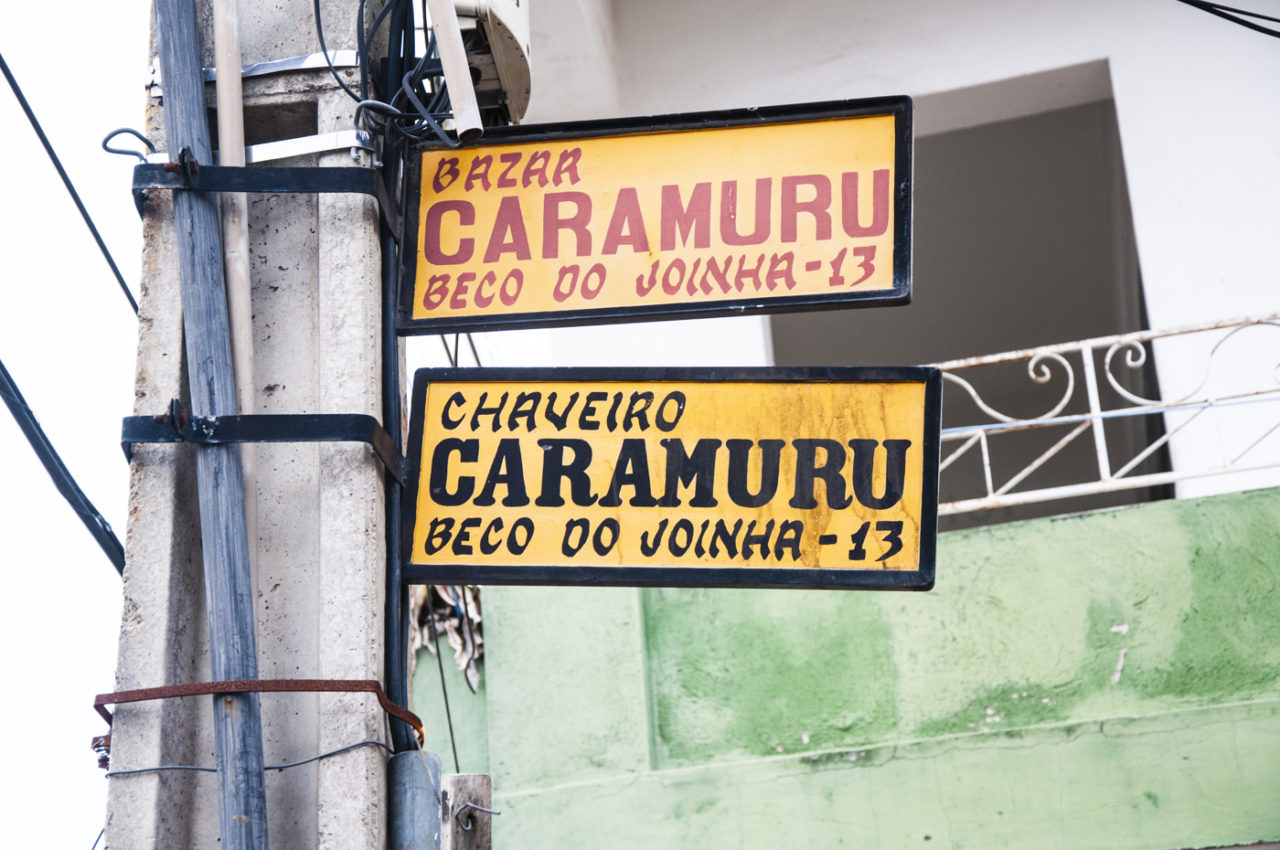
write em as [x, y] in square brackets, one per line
[652, 477]
[798, 208]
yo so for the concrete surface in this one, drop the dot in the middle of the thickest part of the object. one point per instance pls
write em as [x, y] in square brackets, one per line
[321, 552]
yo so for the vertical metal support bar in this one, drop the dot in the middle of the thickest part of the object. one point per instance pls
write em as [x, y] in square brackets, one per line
[986, 463]
[242, 803]
[396, 629]
[235, 237]
[1095, 412]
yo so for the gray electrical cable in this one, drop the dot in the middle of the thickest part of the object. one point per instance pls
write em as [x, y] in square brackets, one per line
[163, 767]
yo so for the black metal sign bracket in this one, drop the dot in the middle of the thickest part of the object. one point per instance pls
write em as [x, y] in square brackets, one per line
[177, 426]
[186, 173]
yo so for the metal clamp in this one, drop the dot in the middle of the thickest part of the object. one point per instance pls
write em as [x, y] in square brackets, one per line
[177, 426]
[355, 140]
[192, 176]
[309, 62]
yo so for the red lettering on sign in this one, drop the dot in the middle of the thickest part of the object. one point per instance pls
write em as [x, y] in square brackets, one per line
[437, 291]
[879, 204]
[553, 222]
[780, 270]
[509, 294]
[568, 166]
[536, 169]
[484, 299]
[818, 207]
[730, 212]
[626, 227]
[431, 248]
[744, 274]
[446, 173]
[459, 299]
[680, 220]
[504, 181]
[508, 235]
[479, 172]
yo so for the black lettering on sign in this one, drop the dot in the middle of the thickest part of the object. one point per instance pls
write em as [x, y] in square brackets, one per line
[468, 451]
[507, 469]
[554, 468]
[698, 468]
[864, 452]
[808, 471]
[631, 470]
[739, 459]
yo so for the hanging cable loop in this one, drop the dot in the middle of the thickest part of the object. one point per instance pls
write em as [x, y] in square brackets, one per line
[106, 146]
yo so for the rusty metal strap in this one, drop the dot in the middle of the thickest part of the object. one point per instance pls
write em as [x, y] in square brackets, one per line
[250, 686]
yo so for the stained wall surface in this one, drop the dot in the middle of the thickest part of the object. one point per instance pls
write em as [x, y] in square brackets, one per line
[1104, 680]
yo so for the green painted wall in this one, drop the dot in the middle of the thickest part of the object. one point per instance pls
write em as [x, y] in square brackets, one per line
[1103, 681]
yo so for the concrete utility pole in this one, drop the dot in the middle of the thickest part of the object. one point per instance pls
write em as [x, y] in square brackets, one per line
[320, 583]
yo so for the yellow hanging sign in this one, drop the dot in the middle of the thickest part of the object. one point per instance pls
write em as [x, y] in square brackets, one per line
[661, 476]
[690, 215]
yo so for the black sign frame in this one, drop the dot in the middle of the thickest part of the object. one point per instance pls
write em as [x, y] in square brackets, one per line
[920, 579]
[899, 106]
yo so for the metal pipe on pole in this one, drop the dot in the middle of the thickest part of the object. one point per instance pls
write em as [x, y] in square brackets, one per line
[235, 243]
[457, 72]
[228, 586]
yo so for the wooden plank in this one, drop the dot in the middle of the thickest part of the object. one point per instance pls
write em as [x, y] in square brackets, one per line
[456, 791]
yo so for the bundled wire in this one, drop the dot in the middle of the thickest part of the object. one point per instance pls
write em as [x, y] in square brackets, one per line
[418, 109]
[1237, 16]
[406, 102]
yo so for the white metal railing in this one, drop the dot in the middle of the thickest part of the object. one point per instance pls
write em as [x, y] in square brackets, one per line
[1227, 421]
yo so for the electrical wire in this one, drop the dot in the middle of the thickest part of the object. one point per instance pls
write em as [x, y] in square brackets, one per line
[66, 181]
[327, 59]
[1231, 14]
[396, 603]
[401, 115]
[444, 688]
[414, 105]
[164, 767]
[62, 477]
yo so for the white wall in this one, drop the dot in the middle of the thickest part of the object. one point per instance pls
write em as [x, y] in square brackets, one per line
[1196, 99]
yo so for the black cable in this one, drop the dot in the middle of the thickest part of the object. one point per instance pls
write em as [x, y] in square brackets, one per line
[444, 688]
[395, 606]
[1247, 13]
[101, 833]
[448, 354]
[466, 619]
[327, 59]
[362, 52]
[66, 181]
[62, 477]
[1225, 12]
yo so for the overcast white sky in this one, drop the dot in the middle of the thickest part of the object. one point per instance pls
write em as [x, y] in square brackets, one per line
[68, 337]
